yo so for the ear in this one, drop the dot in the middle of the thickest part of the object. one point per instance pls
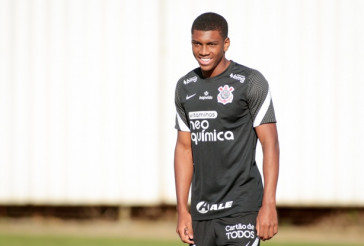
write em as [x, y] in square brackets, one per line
[226, 44]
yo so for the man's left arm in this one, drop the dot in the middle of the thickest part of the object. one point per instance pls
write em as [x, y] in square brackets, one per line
[267, 220]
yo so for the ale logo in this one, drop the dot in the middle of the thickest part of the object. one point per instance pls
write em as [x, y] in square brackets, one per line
[203, 207]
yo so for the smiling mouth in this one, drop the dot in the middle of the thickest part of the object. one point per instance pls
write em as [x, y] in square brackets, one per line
[205, 61]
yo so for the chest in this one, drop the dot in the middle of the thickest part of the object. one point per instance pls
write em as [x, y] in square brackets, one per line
[224, 99]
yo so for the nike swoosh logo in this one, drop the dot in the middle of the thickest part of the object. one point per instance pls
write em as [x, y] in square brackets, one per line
[188, 97]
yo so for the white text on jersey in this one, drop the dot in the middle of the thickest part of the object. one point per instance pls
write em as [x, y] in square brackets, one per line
[200, 134]
[239, 77]
[189, 80]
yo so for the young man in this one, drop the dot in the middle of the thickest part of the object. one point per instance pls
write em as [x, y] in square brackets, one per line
[223, 108]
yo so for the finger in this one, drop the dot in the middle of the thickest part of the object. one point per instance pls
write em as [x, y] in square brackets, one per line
[188, 240]
[257, 227]
[181, 234]
[269, 232]
[263, 232]
[272, 230]
[188, 235]
[275, 229]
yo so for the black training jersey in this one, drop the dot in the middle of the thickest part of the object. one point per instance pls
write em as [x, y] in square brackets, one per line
[221, 113]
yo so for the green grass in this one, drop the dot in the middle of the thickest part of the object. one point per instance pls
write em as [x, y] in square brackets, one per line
[306, 244]
[14, 240]
[28, 240]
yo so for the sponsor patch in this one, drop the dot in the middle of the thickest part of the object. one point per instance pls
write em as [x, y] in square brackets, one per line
[189, 80]
[203, 207]
[195, 115]
[201, 132]
[206, 96]
[239, 77]
[240, 231]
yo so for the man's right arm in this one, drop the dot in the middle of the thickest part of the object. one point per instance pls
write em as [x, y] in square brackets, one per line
[183, 170]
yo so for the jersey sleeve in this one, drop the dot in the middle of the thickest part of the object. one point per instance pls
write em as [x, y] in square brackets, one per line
[181, 118]
[260, 100]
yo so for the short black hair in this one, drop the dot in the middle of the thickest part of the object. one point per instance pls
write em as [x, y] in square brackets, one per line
[210, 22]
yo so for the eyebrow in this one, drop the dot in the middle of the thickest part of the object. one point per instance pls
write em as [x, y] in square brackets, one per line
[210, 42]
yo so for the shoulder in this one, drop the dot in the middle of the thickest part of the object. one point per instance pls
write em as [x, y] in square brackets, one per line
[239, 68]
[242, 73]
[255, 81]
[250, 78]
[249, 72]
[190, 77]
[256, 77]
[186, 81]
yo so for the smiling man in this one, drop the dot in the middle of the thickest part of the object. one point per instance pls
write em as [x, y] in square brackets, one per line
[223, 108]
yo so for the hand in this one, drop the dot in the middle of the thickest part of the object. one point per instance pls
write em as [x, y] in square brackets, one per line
[184, 228]
[267, 222]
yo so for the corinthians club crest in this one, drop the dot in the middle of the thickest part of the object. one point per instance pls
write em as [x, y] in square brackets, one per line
[225, 96]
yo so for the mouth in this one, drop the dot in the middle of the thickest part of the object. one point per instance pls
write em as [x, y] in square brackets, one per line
[205, 61]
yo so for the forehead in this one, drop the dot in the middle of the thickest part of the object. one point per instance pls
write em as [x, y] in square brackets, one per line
[206, 36]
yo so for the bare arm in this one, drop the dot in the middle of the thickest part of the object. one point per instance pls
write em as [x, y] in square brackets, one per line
[267, 221]
[183, 170]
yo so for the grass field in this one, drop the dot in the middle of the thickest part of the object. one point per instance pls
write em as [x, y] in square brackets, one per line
[41, 232]
[18, 240]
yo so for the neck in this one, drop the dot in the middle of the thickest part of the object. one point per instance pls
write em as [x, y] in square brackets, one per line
[220, 68]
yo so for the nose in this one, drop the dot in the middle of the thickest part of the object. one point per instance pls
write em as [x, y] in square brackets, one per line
[204, 51]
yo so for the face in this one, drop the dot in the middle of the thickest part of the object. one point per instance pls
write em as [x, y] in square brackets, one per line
[209, 49]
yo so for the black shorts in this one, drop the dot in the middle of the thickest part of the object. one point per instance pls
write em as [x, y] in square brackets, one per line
[237, 229]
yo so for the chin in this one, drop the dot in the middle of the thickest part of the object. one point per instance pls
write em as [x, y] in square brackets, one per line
[205, 68]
